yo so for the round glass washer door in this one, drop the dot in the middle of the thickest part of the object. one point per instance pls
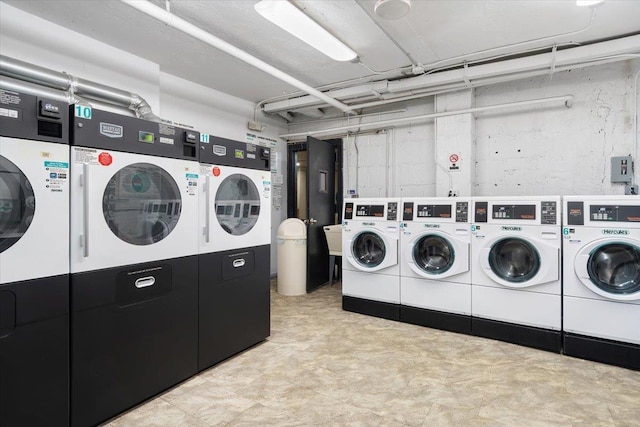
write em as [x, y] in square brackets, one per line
[368, 249]
[237, 204]
[142, 204]
[17, 204]
[514, 260]
[615, 268]
[433, 254]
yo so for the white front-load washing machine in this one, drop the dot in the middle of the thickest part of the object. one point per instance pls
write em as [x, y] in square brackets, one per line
[515, 270]
[371, 273]
[435, 277]
[602, 279]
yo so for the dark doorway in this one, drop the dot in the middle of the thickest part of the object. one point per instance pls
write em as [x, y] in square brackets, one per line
[314, 194]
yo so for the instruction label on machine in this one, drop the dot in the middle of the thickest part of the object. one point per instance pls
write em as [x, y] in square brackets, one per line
[192, 184]
[56, 176]
[85, 155]
[266, 188]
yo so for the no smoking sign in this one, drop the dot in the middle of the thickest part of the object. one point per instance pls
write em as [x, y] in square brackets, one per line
[454, 159]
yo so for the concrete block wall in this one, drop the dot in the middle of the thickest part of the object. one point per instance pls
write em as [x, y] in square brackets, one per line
[521, 151]
[556, 150]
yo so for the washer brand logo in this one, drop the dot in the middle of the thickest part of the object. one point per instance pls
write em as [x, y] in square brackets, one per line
[52, 108]
[220, 150]
[611, 232]
[369, 223]
[432, 226]
[111, 130]
[504, 228]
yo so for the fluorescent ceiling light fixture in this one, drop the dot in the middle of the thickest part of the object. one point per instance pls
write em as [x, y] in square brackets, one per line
[291, 19]
[591, 3]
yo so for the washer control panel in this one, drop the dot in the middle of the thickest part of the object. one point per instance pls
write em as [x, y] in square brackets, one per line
[549, 213]
[392, 211]
[462, 211]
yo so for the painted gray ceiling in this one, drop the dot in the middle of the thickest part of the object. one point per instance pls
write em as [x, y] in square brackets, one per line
[435, 30]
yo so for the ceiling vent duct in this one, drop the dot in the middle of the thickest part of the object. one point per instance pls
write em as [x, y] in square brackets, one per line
[392, 9]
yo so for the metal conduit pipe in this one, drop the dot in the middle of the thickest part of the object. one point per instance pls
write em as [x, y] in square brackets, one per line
[567, 100]
[76, 87]
[21, 86]
[186, 27]
[417, 94]
[508, 70]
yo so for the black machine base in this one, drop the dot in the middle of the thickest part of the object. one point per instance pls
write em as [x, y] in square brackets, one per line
[34, 352]
[384, 310]
[436, 319]
[234, 302]
[616, 353]
[542, 339]
[128, 343]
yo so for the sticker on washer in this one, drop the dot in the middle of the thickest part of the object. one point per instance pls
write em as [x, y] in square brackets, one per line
[56, 176]
[9, 97]
[85, 155]
[8, 112]
[266, 189]
[83, 112]
[192, 183]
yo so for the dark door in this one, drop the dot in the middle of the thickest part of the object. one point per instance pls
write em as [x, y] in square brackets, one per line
[321, 208]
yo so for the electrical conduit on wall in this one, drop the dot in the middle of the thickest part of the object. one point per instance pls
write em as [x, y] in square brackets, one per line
[566, 100]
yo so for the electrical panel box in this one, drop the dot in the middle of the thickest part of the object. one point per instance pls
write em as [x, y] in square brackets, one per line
[621, 169]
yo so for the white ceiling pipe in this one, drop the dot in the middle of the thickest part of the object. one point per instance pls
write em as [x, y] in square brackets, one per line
[208, 38]
[567, 100]
[341, 94]
[503, 71]
[542, 61]
[391, 98]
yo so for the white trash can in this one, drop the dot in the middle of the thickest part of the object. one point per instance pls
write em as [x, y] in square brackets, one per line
[292, 257]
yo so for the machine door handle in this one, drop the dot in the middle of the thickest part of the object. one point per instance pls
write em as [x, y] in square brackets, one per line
[84, 183]
[145, 282]
[207, 208]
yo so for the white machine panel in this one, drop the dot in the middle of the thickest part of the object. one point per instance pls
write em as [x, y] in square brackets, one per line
[131, 209]
[43, 249]
[377, 287]
[235, 208]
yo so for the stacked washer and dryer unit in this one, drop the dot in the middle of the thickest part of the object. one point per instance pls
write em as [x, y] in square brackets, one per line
[371, 272]
[134, 261]
[34, 260]
[435, 277]
[516, 290]
[602, 279]
[234, 249]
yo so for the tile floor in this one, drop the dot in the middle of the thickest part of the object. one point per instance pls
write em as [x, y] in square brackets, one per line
[324, 366]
